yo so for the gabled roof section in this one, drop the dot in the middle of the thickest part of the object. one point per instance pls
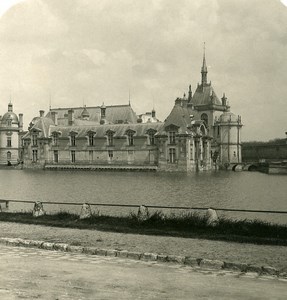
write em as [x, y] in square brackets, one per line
[42, 125]
[179, 116]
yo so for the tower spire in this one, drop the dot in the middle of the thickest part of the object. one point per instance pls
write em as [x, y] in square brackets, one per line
[204, 68]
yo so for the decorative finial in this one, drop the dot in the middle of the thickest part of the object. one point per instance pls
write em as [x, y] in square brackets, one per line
[50, 100]
[129, 97]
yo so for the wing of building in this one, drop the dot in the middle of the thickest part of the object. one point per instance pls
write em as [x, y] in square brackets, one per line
[200, 133]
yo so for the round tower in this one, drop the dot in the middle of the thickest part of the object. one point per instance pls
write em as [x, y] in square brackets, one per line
[228, 138]
[10, 126]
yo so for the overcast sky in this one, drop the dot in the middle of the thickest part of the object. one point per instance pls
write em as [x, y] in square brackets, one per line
[87, 51]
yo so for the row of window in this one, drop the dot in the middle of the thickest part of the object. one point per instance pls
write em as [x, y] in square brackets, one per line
[172, 155]
[73, 155]
[110, 139]
[91, 139]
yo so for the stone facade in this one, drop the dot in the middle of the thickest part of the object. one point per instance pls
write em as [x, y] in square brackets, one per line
[200, 133]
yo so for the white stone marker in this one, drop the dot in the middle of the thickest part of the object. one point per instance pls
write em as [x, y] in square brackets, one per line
[86, 211]
[212, 218]
[143, 213]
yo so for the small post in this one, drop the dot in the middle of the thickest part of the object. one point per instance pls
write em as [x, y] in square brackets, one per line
[38, 209]
[212, 218]
[86, 211]
[143, 213]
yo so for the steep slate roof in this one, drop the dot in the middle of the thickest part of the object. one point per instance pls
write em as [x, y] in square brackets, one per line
[114, 114]
[205, 95]
[179, 116]
[41, 125]
[100, 130]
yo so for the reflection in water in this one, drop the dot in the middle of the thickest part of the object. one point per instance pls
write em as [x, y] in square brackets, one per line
[244, 190]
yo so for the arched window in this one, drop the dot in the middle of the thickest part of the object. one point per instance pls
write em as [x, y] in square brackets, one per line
[204, 117]
[151, 136]
[110, 138]
[8, 155]
[130, 136]
[55, 139]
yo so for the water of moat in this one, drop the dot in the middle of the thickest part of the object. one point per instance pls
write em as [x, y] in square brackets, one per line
[225, 189]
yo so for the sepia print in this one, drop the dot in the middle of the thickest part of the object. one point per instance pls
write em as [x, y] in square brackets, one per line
[143, 149]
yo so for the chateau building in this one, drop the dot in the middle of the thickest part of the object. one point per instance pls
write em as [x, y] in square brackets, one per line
[200, 133]
[11, 128]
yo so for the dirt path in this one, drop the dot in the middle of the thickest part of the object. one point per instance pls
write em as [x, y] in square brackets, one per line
[275, 256]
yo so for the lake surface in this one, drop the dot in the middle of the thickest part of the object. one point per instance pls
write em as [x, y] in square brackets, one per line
[242, 190]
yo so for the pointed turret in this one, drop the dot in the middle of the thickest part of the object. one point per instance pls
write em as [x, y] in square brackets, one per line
[204, 69]
[189, 94]
[223, 100]
[10, 107]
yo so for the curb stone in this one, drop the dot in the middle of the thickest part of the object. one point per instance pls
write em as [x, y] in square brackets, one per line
[211, 264]
[200, 263]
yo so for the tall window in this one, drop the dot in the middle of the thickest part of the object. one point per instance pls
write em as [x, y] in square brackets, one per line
[73, 140]
[151, 137]
[73, 156]
[172, 137]
[55, 139]
[9, 142]
[172, 155]
[91, 155]
[204, 118]
[34, 155]
[91, 139]
[56, 156]
[34, 140]
[110, 154]
[110, 138]
[131, 138]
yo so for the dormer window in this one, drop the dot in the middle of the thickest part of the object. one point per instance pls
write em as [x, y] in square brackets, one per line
[73, 138]
[110, 137]
[34, 139]
[9, 122]
[171, 136]
[151, 136]
[130, 135]
[91, 140]
[55, 138]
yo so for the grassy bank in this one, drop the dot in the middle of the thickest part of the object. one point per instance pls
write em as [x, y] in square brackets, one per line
[189, 225]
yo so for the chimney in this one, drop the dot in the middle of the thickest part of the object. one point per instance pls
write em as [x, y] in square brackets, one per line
[20, 121]
[55, 117]
[153, 113]
[71, 117]
[42, 113]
